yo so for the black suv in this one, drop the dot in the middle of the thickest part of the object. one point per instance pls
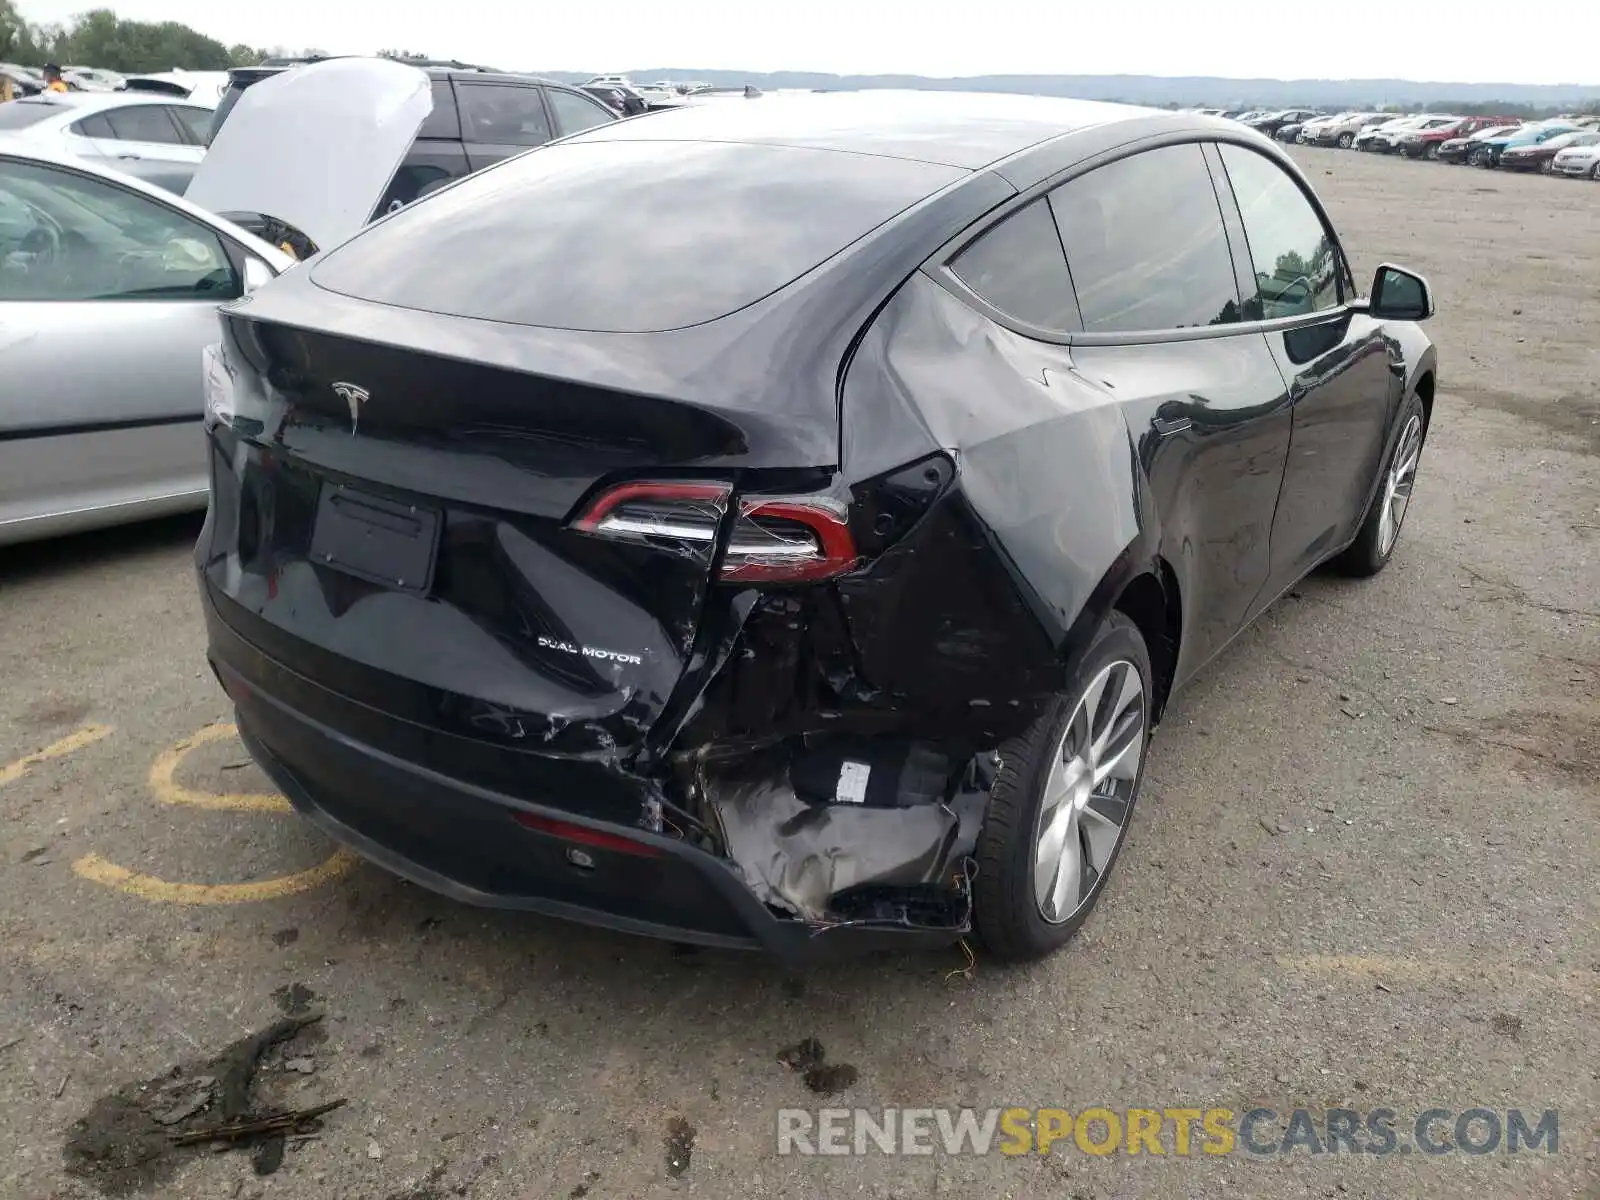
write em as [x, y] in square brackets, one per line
[479, 116]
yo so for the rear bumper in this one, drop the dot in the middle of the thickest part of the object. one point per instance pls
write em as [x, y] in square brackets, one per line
[463, 840]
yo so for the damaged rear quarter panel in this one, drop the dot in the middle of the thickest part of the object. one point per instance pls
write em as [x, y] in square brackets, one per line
[1046, 506]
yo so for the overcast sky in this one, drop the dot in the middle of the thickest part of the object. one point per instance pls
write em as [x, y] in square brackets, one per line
[1440, 40]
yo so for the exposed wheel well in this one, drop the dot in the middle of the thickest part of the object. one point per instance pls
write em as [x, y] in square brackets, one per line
[1425, 394]
[1152, 603]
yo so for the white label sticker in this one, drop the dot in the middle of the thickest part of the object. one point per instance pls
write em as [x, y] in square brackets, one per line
[852, 787]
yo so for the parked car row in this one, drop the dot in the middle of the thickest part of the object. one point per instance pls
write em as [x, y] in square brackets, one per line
[158, 132]
[1558, 145]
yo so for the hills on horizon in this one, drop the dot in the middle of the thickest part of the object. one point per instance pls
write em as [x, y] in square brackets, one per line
[1155, 90]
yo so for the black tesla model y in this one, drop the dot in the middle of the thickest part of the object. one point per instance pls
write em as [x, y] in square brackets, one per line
[782, 524]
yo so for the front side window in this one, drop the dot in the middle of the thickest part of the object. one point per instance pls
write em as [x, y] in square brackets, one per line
[1146, 245]
[65, 236]
[1018, 267]
[497, 114]
[1296, 264]
[575, 113]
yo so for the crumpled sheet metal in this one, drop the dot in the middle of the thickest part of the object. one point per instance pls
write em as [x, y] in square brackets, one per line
[795, 855]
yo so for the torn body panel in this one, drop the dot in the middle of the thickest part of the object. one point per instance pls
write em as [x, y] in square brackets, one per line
[1046, 464]
[958, 630]
[805, 855]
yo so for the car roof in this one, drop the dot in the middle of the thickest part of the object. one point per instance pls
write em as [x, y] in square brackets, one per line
[434, 69]
[972, 130]
[81, 102]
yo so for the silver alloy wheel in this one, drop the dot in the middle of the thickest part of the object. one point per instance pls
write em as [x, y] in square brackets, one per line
[1397, 486]
[1088, 794]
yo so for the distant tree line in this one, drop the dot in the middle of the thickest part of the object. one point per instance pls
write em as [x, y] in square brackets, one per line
[100, 38]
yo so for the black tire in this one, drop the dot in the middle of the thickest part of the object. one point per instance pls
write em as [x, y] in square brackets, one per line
[1346, 140]
[1595, 174]
[1432, 152]
[1368, 555]
[1005, 912]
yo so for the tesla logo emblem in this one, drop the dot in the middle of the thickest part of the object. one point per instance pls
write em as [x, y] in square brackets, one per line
[354, 397]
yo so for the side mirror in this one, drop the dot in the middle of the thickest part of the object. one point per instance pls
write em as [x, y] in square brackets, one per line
[256, 273]
[1400, 295]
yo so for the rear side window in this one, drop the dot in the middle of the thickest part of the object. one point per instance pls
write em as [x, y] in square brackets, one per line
[144, 123]
[626, 237]
[1146, 245]
[95, 127]
[498, 114]
[575, 113]
[1296, 264]
[1018, 267]
[441, 122]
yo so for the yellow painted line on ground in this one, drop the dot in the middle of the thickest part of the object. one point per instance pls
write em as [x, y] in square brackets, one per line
[87, 736]
[1398, 970]
[163, 779]
[160, 891]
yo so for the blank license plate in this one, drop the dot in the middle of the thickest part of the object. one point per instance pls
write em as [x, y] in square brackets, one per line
[377, 539]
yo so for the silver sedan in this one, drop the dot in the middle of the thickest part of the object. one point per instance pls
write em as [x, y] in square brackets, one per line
[159, 139]
[108, 297]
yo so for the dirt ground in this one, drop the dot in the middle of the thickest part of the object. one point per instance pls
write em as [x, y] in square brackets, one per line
[1363, 874]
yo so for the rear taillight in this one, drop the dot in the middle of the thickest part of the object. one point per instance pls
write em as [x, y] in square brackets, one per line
[775, 539]
[788, 538]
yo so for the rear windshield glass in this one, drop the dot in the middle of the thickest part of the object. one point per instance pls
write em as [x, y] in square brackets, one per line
[626, 237]
[224, 107]
[19, 114]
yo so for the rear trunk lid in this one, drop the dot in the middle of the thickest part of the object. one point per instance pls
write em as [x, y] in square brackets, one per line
[398, 527]
[408, 456]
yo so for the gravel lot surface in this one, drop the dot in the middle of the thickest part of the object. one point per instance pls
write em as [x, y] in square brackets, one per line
[1364, 873]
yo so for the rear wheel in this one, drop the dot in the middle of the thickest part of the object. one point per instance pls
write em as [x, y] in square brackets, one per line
[1346, 140]
[1060, 808]
[1594, 173]
[1370, 552]
[1432, 152]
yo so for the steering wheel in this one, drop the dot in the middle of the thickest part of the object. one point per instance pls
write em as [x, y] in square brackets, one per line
[43, 244]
